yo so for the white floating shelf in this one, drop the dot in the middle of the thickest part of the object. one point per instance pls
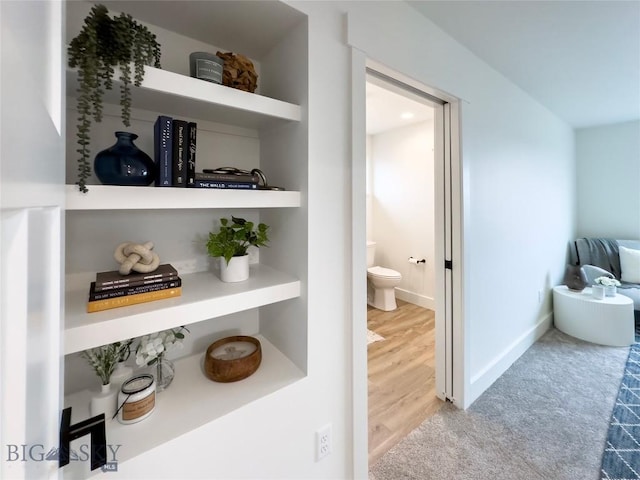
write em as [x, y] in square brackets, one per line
[190, 97]
[204, 296]
[110, 197]
[191, 401]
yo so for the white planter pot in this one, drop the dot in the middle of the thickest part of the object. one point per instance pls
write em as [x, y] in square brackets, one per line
[236, 271]
[598, 292]
[610, 291]
[104, 402]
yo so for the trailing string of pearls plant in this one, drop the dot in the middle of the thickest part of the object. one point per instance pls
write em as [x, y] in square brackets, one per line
[103, 44]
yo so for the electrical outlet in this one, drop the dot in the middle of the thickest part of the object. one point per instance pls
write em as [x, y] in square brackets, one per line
[323, 442]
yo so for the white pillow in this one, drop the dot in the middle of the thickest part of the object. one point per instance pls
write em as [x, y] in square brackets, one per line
[630, 265]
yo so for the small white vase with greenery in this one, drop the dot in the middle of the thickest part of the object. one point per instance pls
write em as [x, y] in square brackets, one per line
[122, 372]
[610, 285]
[103, 360]
[231, 242]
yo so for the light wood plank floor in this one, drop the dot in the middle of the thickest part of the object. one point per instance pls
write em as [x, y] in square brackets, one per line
[401, 374]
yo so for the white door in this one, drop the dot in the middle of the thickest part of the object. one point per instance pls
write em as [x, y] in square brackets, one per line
[31, 215]
[444, 246]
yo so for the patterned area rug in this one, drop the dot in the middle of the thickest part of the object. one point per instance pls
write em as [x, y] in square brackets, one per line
[621, 458]
[373, 337]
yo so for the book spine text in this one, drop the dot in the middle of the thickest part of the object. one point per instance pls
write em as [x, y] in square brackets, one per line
[191, 157]
[179, 155]
[109, 303]
[121, 292]
[137, 283]
[163, 148]
[227, 177]
[226, 185]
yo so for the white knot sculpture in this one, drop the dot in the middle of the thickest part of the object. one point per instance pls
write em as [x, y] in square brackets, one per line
[136, 257]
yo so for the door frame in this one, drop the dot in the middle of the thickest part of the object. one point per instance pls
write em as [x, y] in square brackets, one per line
[450, 339]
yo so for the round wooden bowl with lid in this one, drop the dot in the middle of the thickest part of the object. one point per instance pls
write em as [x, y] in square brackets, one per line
[232, 358]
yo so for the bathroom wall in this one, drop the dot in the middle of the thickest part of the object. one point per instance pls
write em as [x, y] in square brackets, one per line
[402, 207]
[369, 188]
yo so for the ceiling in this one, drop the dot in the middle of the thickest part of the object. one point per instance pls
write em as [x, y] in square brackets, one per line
[581, 59]
[387, 110]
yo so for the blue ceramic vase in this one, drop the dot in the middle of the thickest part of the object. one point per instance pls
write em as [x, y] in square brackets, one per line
[124, 163]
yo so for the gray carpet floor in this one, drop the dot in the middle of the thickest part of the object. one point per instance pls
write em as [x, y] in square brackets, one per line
[545, 418]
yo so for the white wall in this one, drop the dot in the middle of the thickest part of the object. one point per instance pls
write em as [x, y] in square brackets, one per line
[369, 187]
[31, 214]
[608, 166]
[403, 207]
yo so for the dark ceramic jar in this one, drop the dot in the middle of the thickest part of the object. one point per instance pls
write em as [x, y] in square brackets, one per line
[124, 163]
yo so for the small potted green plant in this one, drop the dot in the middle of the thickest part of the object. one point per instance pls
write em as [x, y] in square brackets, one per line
[230, 244]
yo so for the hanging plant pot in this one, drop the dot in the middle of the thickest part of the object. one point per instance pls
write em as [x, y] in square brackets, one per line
[103, 44]
[237, 270]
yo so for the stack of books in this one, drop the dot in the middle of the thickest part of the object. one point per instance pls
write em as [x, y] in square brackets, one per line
[175, 143]
[175, 152]
[113, 290]
[227, 178]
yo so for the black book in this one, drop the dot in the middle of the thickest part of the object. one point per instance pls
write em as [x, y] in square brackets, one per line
[162, 137]
[114, 277]
[137, 283]
[180, 154]
[228, 177]
[191, 157]
[227, 185]
[123, 292]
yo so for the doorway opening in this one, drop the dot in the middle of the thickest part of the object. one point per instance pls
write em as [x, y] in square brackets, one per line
[401, 230]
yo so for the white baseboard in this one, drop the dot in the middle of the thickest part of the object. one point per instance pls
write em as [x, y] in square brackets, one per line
[483, 379]
[415, 298]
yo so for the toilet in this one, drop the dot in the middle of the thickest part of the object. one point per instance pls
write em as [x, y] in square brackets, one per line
[381, 282]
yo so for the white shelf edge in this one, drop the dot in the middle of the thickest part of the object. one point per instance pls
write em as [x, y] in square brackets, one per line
[111, 197]
[204, 297]
[190, 402]
[164, 83]
[171, 83]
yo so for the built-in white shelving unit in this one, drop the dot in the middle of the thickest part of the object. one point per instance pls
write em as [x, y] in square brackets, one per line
[273, 299]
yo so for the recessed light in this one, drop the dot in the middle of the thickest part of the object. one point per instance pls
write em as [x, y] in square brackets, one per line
[406, 115]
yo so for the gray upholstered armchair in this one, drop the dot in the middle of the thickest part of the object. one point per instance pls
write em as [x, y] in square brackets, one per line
[601, 257]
